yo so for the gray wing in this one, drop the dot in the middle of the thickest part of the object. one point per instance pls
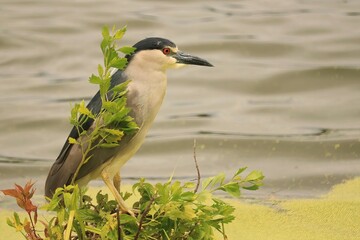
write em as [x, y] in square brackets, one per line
[62, 171]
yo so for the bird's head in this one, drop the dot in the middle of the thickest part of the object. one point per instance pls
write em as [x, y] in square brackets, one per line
[162, 54]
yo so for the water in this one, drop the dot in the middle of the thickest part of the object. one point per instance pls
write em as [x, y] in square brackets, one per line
[283, 96]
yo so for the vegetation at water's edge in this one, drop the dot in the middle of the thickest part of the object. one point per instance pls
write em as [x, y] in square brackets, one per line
[171, 210]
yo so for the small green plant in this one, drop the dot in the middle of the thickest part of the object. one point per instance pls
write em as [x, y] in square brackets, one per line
[171, 210]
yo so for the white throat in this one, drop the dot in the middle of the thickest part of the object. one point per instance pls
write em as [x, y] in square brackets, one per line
[146, 90]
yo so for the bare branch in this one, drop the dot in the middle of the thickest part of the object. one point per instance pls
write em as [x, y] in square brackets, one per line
[119, 227]
[197, 168]
[143, 215]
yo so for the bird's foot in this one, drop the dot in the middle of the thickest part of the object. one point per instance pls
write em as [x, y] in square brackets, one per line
[131, 212]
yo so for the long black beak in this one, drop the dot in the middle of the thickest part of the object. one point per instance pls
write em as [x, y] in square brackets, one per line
[189, 59]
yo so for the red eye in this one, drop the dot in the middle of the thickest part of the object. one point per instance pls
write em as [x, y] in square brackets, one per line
[166, 51]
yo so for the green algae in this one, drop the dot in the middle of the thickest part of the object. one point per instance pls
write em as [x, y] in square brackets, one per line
[335, 216]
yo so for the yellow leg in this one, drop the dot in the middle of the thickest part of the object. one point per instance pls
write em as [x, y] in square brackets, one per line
[114, 191]
[117, 181]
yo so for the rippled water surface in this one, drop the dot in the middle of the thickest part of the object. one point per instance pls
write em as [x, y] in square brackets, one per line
[283, 96]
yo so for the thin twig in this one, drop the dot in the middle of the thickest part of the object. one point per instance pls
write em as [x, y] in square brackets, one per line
[119, 227]
[197, 169]
[32, 223]
[33, 226]
[223, 231]
[143, 215]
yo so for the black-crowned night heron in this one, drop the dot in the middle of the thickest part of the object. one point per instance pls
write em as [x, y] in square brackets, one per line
[147, 71]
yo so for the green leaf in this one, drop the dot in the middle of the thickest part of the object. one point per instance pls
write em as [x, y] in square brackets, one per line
[188, 213]
[254, 175]
[218, 179]
[121, 87]
[79, 224]
[110, 56]
[93, 229]
[251, 188]
[101, 198]
[173, 212]
[9, 222]
[188, 196]
[108, 145]
[73, 140]
[74, 114]
[176, 188]
[239, 171]
[127, 49]
[100, 70]
[67, 199]
[75, 196]
[146, 190]
[125, 218]
[110, 106]
[84, 110]
[104, 44]
[207, 182]
[95, 79]
[111, 136]
[86, 198]
[119, 116]
[120, 33]
[52, 205]
[232, 189]
[131, 127]
[118, 63]
[204, 196]
[189, 185]
[88, 215]
[217, 217]
[104, 87]
[115, 132]
[17, 218]
[105, 32]
[126, 195]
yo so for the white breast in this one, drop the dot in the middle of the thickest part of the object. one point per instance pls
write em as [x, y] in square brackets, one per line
[146, 92]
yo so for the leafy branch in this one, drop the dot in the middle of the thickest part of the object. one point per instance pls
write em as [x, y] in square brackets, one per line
[187, 212]
[112, 122]
[251, 182]
[23, 197]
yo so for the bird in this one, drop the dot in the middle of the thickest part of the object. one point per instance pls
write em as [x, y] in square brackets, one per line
[146, 68]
